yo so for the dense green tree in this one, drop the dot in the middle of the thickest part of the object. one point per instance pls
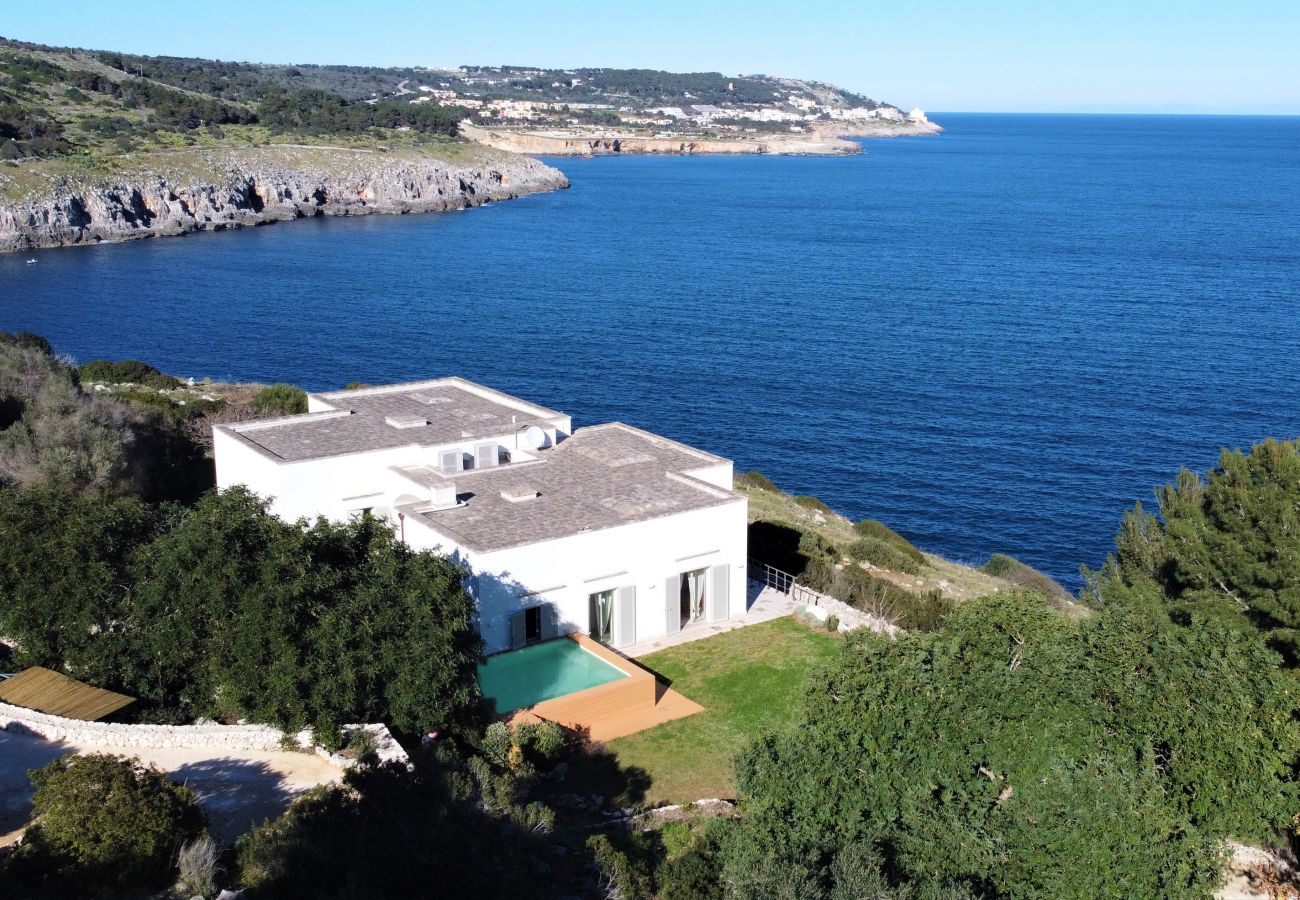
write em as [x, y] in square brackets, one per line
[102, 820]
[221, 609]
[1023, 754]
[1226, 544]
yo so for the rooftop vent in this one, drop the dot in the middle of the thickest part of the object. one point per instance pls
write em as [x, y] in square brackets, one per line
[406, 421]
[519, 493]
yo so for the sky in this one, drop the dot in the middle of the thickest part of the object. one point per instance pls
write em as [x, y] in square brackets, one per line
[1125, 56]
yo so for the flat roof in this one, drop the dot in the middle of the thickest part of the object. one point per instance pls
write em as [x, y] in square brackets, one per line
[422, 413]
[601, 477]
[47, 691]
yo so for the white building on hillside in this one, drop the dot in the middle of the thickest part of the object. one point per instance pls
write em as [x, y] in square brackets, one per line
[609, 530]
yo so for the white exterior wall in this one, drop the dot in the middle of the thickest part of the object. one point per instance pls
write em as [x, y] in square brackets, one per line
[565, 572]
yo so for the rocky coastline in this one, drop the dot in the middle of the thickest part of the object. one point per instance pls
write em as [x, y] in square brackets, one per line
[823, 139]
[223, 189]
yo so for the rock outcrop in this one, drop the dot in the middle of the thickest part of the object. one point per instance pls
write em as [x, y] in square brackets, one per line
[220, 189]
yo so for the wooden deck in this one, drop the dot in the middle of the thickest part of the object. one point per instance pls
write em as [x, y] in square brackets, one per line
[616, 709]
[47, 691]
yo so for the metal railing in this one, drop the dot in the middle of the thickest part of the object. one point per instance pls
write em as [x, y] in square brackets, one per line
[777, 579]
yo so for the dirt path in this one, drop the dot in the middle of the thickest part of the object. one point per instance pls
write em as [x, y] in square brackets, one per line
[236, 791]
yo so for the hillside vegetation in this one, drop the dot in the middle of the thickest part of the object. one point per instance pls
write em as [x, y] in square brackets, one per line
[56, 102]
[869, 565]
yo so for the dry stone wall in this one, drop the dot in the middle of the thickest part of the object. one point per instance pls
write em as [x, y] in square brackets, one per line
[116, 737]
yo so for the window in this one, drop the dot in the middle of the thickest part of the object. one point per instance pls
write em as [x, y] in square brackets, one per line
[692, 595]
[602, 617]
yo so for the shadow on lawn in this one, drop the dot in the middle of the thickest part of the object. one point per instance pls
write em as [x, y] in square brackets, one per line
[595, 770]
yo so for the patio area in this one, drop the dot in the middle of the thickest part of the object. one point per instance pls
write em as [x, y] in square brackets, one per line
[763, 604]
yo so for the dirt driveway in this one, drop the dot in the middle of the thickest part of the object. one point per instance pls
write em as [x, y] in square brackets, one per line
[236, 790]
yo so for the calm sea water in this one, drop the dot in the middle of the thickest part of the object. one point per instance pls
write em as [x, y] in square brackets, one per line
[994, 340]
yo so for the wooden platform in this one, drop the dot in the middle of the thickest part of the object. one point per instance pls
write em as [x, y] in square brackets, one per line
[617, 709]
[54, 693]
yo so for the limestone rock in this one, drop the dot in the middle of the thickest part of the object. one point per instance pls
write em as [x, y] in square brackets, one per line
[257, 186]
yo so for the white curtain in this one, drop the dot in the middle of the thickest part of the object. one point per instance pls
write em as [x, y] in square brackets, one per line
[604, 602]
[696, 581]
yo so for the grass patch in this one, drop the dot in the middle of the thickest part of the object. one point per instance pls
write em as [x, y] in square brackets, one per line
[748, 680]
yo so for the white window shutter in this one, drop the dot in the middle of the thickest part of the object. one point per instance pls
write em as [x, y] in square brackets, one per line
[673, 605]
[625, 617]
[719, 594]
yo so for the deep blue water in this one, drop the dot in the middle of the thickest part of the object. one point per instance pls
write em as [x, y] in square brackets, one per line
[994, 340]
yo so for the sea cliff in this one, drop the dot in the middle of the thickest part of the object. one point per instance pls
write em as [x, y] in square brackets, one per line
[210, 190]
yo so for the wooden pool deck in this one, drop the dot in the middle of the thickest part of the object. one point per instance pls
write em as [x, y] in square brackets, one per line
[616, 709]
[640, 701]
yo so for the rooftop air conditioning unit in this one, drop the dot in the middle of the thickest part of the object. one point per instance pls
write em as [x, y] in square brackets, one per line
[450, 461]
[485, 455]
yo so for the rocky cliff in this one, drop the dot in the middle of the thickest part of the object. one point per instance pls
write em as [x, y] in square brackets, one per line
[172, 194]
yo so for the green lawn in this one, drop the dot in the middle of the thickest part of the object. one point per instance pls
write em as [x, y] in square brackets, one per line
[747, 680]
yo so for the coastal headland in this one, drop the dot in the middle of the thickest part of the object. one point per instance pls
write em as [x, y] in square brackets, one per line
[180, 192]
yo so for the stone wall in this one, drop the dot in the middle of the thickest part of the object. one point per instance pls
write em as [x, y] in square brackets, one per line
[115, 737]
[850, 617]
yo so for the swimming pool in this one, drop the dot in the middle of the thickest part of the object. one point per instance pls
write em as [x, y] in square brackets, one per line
[520, 678]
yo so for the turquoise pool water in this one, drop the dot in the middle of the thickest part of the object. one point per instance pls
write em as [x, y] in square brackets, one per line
[520, 678]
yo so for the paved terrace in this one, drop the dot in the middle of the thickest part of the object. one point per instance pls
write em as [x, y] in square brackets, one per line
[763, 604]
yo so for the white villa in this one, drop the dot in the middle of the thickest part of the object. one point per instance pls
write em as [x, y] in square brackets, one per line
[608, 530]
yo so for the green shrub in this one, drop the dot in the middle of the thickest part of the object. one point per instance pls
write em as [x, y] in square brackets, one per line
[280, 400]
[885, 555]
[864, 591]
[1013, 570]
[755, 481]
[694, 874]
[105, 819]
[548, 742]
[496, 742]
[126, 371]
[832, 622]
[28, 341]
[870, 528]
[927, 612]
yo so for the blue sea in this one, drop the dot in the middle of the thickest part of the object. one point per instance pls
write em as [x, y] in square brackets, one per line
[993, 340]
